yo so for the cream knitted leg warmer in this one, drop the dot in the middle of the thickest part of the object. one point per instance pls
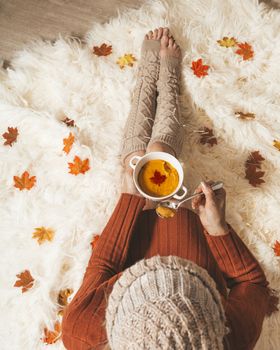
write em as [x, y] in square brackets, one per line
[167, 126]
[138, 127]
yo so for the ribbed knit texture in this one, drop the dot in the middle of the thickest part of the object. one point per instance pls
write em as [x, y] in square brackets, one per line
[138, 127]
[165, 303]
[131, 235]
[168, 126]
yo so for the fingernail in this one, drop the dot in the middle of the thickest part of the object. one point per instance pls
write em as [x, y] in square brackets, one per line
[203, 184]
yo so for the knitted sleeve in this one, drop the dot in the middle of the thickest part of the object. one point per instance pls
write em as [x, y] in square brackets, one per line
[104, 267]
[250, 298]
[111, 251]
[235, 260]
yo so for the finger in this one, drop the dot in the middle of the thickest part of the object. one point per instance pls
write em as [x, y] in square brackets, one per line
[208, 192]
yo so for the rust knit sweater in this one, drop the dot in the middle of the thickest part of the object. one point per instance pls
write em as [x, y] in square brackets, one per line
[132, 234]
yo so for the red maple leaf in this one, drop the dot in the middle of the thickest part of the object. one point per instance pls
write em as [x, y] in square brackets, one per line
[276, 248]
[199, 69]
[158, 179]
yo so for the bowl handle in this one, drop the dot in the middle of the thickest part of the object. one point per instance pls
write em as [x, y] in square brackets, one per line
[176, 196]
[132, 159]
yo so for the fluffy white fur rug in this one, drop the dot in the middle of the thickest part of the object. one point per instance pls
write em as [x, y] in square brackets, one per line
[50, 81]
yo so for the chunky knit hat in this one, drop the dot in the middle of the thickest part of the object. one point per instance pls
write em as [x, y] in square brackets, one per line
[165, 302]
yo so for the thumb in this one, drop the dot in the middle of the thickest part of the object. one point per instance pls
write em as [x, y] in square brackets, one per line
[208, 192]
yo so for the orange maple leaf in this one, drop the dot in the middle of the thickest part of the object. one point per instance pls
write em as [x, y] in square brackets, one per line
[43, 234]
[10, 136]
[245, 50]
[68, 143]
[276, 248]
[103, 50]
[52, 336]
[94, 241]
[25, 280]
[199, 69]
[69, 122]
[207, 136]
[24, 182]
[79, 166]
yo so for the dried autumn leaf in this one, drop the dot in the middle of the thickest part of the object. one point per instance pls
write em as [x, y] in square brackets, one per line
[94, 241]
[207, 136]
[254, 176]
[69, 122]
[251, 165]
[63, 296]
[25, 280]
[52, 336]
[126, 60]
[103, 50]
[79, 166]
[158, 179]
[43, 234]
[68, 143]
[276, 144]
[10, 136]
[245, 50]
[244, 116]
[276, 248]
[254, 159]
[199, 69]
[227, 42]
[24, 182]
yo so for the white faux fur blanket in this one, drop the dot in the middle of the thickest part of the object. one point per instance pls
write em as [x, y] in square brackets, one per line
[51, 81]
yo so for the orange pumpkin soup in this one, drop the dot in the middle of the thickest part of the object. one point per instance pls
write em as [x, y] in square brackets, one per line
[158, 178]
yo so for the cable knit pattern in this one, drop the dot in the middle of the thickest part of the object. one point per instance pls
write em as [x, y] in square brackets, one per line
[165, 302]
[138, 127]
[167, 125]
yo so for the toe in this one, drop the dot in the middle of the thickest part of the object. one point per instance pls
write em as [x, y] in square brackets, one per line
[146, 37]
[150, 34]
[166, 31]
[160, 31]
[170, 42]
[155, 34]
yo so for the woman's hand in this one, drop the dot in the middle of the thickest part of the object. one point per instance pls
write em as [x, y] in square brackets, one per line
[210, 208]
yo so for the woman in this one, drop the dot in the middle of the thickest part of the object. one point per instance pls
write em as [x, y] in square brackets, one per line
[187, 282]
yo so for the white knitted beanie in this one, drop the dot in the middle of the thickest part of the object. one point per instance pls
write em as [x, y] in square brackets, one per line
[165, 302]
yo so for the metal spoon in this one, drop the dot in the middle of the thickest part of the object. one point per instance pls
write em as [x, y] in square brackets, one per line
[173, 206]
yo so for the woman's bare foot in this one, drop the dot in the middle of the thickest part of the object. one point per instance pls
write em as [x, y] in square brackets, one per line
[168, 46]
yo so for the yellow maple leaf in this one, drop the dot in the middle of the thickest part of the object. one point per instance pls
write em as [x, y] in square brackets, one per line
[126, 60]
[79, 166]
[62, 299]
[43, 234]
[227, 42]
[276, 144]
[68, 143]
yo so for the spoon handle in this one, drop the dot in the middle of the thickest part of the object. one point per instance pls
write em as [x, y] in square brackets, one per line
[215, 186]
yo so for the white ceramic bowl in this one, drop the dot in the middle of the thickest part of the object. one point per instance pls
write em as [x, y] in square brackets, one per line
[138, 162]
